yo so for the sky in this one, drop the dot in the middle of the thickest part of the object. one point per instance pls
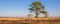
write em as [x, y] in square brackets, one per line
[19, 8]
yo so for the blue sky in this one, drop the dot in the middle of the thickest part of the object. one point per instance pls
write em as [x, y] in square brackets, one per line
[19, 8]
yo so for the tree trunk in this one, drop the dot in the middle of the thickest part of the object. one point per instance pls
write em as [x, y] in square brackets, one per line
[37, 13]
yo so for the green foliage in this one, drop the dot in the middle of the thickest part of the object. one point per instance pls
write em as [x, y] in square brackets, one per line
[36, 3]
[36, 7]
[42, 11]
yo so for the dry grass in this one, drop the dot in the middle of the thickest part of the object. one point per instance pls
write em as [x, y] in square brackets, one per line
[29, 20]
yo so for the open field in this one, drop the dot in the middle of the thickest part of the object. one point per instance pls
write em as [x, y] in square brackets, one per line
[29, 21]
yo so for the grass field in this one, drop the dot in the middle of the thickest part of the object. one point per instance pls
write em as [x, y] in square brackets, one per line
[29, 21]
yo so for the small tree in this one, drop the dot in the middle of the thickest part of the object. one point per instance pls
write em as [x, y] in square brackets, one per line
[37, 8]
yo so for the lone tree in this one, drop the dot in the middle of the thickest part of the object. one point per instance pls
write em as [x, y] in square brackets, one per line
[37, 8]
